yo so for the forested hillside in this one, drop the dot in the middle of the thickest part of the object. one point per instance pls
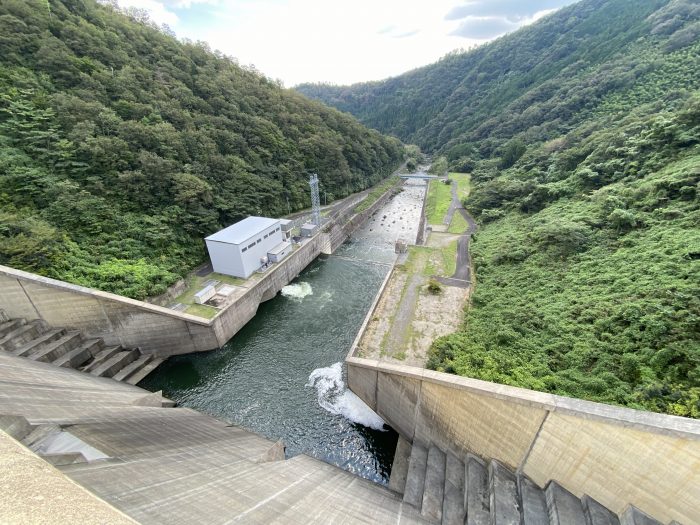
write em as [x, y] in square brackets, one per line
[121, 147]
[540, 76]
[582, 134]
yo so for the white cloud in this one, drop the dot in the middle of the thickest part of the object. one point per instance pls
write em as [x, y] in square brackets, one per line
[157, 11]
[319, 40]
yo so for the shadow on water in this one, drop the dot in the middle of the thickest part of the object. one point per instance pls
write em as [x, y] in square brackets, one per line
[281, 375]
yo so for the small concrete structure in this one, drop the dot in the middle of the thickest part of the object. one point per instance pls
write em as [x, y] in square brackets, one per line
[204, 294]
[279, 252]
[287, 227]
[239, 249]
[226, 290]
[308, 229]
[401, 246]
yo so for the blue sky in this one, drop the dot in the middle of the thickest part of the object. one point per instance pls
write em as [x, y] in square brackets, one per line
[342, 41]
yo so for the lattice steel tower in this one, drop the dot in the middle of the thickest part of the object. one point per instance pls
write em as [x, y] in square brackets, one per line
[315, 201]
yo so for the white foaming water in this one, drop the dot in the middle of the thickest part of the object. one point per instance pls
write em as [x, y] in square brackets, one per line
[334, 397]
[297, 291]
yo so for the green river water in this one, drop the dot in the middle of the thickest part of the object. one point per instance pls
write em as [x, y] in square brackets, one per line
[282, 375]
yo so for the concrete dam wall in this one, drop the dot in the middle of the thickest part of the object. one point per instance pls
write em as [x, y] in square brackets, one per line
[616, 455]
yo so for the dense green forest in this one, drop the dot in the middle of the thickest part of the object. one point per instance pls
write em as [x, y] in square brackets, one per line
[582, 134]
[121, 147]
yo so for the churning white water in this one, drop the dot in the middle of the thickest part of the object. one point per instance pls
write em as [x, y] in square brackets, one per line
[297, 291]
[334, 397]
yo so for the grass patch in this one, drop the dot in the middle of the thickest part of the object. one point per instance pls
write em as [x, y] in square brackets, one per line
[202, 310]
[458, 224]
[431, 261]
[376, 193]
[195, 283]
[414, 261]
[438, 201]
[449, 258]
[463, 182]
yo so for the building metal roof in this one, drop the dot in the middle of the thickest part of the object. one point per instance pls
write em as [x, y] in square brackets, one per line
[242, 230]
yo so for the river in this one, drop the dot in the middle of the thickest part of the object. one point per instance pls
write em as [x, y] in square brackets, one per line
[281, 375]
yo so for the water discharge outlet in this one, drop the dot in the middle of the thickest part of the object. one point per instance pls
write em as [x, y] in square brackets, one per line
[334, 397]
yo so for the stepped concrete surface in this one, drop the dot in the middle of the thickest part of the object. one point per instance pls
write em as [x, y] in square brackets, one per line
[533, 502]
[132, 367]
[564, 507]
[434, 491]
[115, 363]
[597, 514]
[164, 465]
[140, 374]
[479, 492]
[415, 479]
[453, 505]
[68, 349]
[56, 349]
[35, 344]
[504, 504]
[634, 516]
[399, 468]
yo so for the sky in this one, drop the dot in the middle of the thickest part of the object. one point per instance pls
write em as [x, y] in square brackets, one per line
[342, 41]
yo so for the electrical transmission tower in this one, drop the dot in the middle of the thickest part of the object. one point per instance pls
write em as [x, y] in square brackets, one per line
[315, 201]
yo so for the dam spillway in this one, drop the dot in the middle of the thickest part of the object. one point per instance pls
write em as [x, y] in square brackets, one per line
[281, 374]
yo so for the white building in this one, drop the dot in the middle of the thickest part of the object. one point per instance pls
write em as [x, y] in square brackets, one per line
[241, 249]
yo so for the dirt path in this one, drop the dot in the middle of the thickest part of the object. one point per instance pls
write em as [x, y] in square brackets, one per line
[398, 338]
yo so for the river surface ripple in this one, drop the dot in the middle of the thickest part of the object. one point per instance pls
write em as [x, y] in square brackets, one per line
[281, 375]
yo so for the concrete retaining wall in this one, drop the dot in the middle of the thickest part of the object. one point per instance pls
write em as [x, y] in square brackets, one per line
[117, 319]
[132, 323]
[616, 455]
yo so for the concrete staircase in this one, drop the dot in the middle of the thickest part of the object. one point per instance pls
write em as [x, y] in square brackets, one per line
[70, 349]
[452, 490]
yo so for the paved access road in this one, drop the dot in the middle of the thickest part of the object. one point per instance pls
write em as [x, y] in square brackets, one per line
[461, 277]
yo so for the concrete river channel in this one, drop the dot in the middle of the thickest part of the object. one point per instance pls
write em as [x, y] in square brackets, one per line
[281, 375]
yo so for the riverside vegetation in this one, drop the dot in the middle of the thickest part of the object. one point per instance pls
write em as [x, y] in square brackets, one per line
[121, 147]
[582, 135]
